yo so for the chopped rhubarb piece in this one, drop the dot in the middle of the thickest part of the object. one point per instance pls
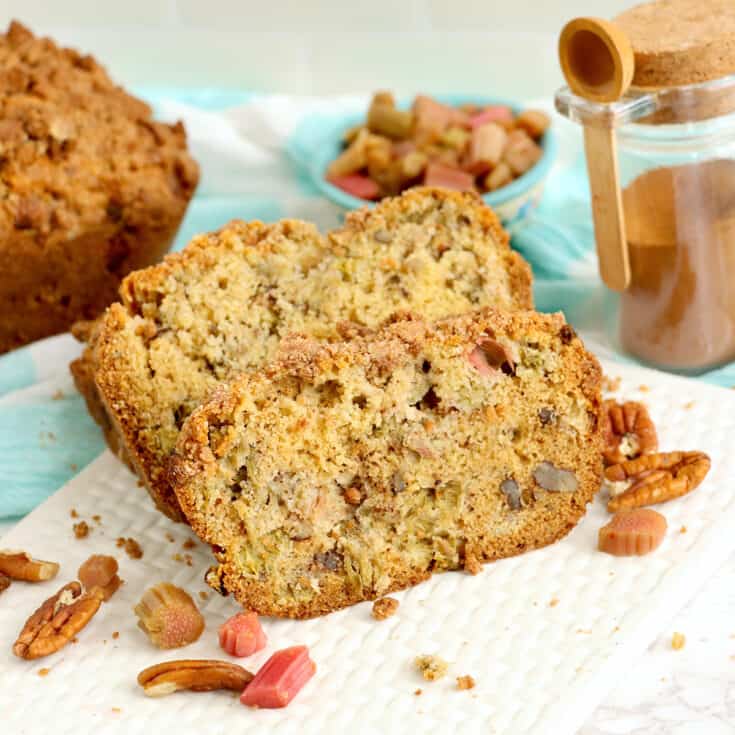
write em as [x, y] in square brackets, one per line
[437, 174]
[486, 148]
[521, 152]
[403, 148]
[499, 176]
[242, 635]
[432, 118]
[496, 113]
[281, 678]
[534, 122]
[358, 185]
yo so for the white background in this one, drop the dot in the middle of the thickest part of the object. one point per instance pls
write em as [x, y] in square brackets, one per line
[507, 48]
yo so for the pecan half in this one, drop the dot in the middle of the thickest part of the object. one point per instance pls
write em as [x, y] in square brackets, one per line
[57, 621]
[22, 566]
[100, 572]
[194, 675]
[628, 431]
[655, 478]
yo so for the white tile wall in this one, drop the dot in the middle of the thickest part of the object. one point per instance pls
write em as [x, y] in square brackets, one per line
[504, 47]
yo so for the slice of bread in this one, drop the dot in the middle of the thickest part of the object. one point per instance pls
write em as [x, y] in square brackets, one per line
[225, 302]
[344, 471]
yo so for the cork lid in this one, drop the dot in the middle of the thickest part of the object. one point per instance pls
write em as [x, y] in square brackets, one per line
[679, 42]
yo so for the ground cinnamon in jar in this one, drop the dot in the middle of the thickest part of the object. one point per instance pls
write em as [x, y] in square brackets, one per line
[679, 311]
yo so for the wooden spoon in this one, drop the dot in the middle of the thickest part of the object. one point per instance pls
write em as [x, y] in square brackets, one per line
[598, 63]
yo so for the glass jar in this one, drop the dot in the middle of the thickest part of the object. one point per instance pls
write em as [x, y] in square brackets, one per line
[676, 157]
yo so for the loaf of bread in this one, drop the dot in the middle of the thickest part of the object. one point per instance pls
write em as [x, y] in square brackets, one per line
[224, 303]
[91, 187]
[341, 472]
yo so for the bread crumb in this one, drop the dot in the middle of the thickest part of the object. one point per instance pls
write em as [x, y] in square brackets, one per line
[553, 602]
[57, 395]
[97, 519]
[683, 529]
[44, 672]
[431, 667]
[189, 544]
[611, 384]
[203, 595]
[419, 692]
[689, 405]
[677, 641]
[170, 537]
[116, 709]
[73, 513]
[189, 560]
[644, 388]
[177, 557]
[81, 529]
[131, 546]
[584, 630]
[115, 635]
[465, 682]
[384, 608]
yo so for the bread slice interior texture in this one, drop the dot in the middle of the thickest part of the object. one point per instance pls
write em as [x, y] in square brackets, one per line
[223, 305]
[344, 471]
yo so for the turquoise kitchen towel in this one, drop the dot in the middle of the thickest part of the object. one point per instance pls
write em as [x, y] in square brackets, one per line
[243, 143]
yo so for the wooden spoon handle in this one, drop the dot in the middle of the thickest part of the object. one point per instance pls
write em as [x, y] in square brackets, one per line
[607, 206]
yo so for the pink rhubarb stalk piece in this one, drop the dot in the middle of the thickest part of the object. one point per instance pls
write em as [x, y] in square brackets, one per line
[358, 185]
[437, 174]
[432, 118]
[281, 679]
[242, 635]
[496, 113]
[486, 148]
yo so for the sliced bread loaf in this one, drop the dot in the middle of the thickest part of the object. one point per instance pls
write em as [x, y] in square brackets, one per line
[344, 471]
[224, 303]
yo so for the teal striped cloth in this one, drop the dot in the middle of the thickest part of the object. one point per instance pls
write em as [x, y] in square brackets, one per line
[46, 435]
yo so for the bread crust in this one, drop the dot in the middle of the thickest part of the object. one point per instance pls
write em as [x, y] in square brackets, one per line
[92, 187]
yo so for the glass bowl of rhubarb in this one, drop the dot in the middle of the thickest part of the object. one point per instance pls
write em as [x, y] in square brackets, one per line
[494, 147]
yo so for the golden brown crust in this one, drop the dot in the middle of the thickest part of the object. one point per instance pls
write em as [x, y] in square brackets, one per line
[92, 187]
[211, 437]
[122, 354]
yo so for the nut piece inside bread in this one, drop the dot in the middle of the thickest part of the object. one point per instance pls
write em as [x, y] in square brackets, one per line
[342, 472]
[225, 302]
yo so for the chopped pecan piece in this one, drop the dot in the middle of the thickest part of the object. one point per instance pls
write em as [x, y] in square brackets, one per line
[4, 582]
[57, 621]
[512, 492]
[21, 566]
[628, 431]
[554, 479]
[100, 572]
[655, 478]
[194, 675]
[169, 617]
